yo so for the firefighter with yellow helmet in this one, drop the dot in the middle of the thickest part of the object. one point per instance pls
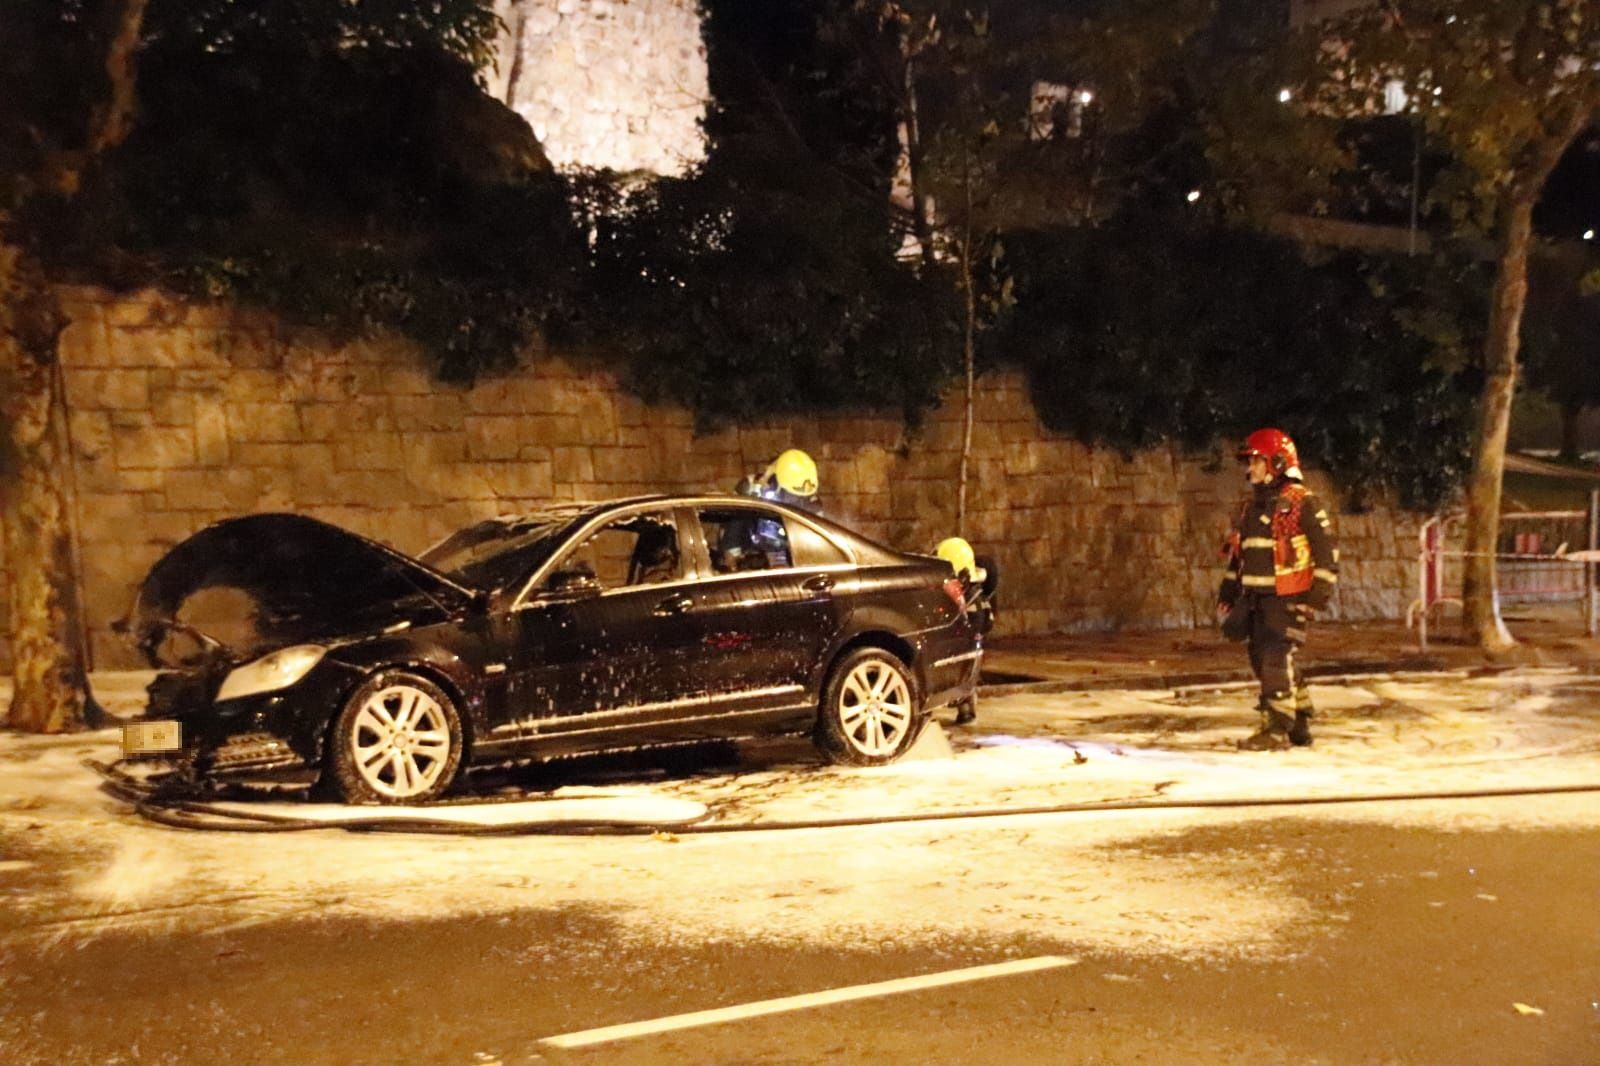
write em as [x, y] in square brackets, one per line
[979, 577]
[790, 478]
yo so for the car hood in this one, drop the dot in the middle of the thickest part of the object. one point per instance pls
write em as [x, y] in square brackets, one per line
[281, 579]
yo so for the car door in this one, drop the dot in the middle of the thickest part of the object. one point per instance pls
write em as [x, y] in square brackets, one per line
[600, 642]
[763, 620]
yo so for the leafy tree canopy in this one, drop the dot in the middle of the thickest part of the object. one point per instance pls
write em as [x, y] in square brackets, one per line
[1562, 334]
[1155, 329]
[337, 162]
[767, 281]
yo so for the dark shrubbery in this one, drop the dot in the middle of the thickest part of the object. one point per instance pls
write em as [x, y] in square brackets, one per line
[741, 302]
[353, 177]
[1149, 330]
[767, 281]
[360, 190]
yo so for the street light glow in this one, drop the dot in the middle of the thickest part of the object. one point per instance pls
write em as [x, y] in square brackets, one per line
[1085, 96]
[1194, 194]
[1284, 96]
[1588, 234]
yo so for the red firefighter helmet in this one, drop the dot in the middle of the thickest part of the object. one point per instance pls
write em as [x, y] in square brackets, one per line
[1276, 448]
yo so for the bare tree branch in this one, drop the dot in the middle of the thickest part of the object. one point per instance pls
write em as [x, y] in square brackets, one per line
[113, 119]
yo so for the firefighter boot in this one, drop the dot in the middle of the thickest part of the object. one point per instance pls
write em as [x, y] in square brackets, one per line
[1273, 734]
[1300, 732]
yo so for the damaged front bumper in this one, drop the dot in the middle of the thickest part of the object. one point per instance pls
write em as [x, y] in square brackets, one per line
[245, 755]
[199, 738]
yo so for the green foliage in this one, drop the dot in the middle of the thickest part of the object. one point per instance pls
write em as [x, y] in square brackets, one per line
[43, 112]
[472, 295]
[1153, 331]
[1561, 327]
[378, 216]
[741, 302]
[767, 281]
[1502, 85]
[315, 28]
[338, 164]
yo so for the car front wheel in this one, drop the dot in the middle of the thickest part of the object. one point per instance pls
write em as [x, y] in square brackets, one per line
[397, 740]
[871, 710]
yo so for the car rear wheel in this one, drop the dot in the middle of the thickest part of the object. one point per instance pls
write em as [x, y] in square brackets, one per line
[871, 710]
[397, 740]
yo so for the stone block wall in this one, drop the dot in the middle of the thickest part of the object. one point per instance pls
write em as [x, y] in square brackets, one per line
[608, 83]
[183, 414]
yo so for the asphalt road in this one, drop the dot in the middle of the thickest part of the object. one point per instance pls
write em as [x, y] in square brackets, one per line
[1418, 946]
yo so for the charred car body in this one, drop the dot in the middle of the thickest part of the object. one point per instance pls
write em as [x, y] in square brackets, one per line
[292, 648]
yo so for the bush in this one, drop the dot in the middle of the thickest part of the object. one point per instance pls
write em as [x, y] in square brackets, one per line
[1147, 332]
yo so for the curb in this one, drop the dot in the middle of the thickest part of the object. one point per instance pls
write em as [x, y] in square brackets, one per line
[1336, 667]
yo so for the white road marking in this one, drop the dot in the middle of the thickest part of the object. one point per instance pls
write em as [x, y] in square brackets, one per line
[629, 1030]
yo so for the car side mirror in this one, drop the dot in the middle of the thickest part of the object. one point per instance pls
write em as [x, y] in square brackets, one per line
[576, 579]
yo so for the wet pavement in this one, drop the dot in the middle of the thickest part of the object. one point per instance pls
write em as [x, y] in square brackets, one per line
[1416, 930]
[1410, 945]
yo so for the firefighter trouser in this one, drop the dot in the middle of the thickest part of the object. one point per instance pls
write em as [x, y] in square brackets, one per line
[1275, 635]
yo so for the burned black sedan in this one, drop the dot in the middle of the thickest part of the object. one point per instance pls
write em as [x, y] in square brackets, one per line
[288, 647]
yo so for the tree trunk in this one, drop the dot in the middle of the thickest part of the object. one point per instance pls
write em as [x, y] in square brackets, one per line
[113, 119]
[921, 223]
[1480, 597]
[51, 690]
[49, 661]
[514, 28]
[970, 363]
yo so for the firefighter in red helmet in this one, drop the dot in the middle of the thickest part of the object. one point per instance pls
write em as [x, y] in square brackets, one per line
[1282, 568]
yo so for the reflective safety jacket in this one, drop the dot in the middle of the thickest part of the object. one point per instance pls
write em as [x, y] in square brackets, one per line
[1282, 545]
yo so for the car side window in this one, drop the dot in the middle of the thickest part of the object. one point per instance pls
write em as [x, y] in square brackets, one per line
[741, 539]
[633, 551]
[811, 548]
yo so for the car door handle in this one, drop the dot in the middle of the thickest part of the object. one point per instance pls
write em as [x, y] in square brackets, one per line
[820, 583]
[672, 605]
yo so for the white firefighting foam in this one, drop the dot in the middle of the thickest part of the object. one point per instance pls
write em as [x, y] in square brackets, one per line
[1103, 880]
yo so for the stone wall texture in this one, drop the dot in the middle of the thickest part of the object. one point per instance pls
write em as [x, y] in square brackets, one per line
[183, 414]
[609, 83]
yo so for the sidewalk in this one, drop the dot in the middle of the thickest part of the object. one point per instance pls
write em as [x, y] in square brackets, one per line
[1170, 658]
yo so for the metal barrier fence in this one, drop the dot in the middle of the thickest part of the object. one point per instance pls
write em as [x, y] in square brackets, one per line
[1541, 557]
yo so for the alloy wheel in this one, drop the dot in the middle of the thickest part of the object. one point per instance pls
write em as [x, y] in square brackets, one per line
[875, 707]
[400, 742]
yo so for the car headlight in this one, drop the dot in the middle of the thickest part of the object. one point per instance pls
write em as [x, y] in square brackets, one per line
[271, 672]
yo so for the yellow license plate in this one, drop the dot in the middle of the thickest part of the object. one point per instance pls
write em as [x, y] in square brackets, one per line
[151, 738]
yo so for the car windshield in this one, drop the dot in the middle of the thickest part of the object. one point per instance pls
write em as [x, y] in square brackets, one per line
[500, 552]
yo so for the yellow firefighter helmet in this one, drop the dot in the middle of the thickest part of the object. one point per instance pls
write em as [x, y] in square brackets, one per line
[958, 553]
[794, 472]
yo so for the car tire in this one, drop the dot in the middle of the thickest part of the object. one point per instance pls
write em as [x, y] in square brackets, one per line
[871, 710]
[398, 739]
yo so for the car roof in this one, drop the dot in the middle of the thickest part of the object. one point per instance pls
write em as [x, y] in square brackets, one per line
[577, 512]
[577, 508]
